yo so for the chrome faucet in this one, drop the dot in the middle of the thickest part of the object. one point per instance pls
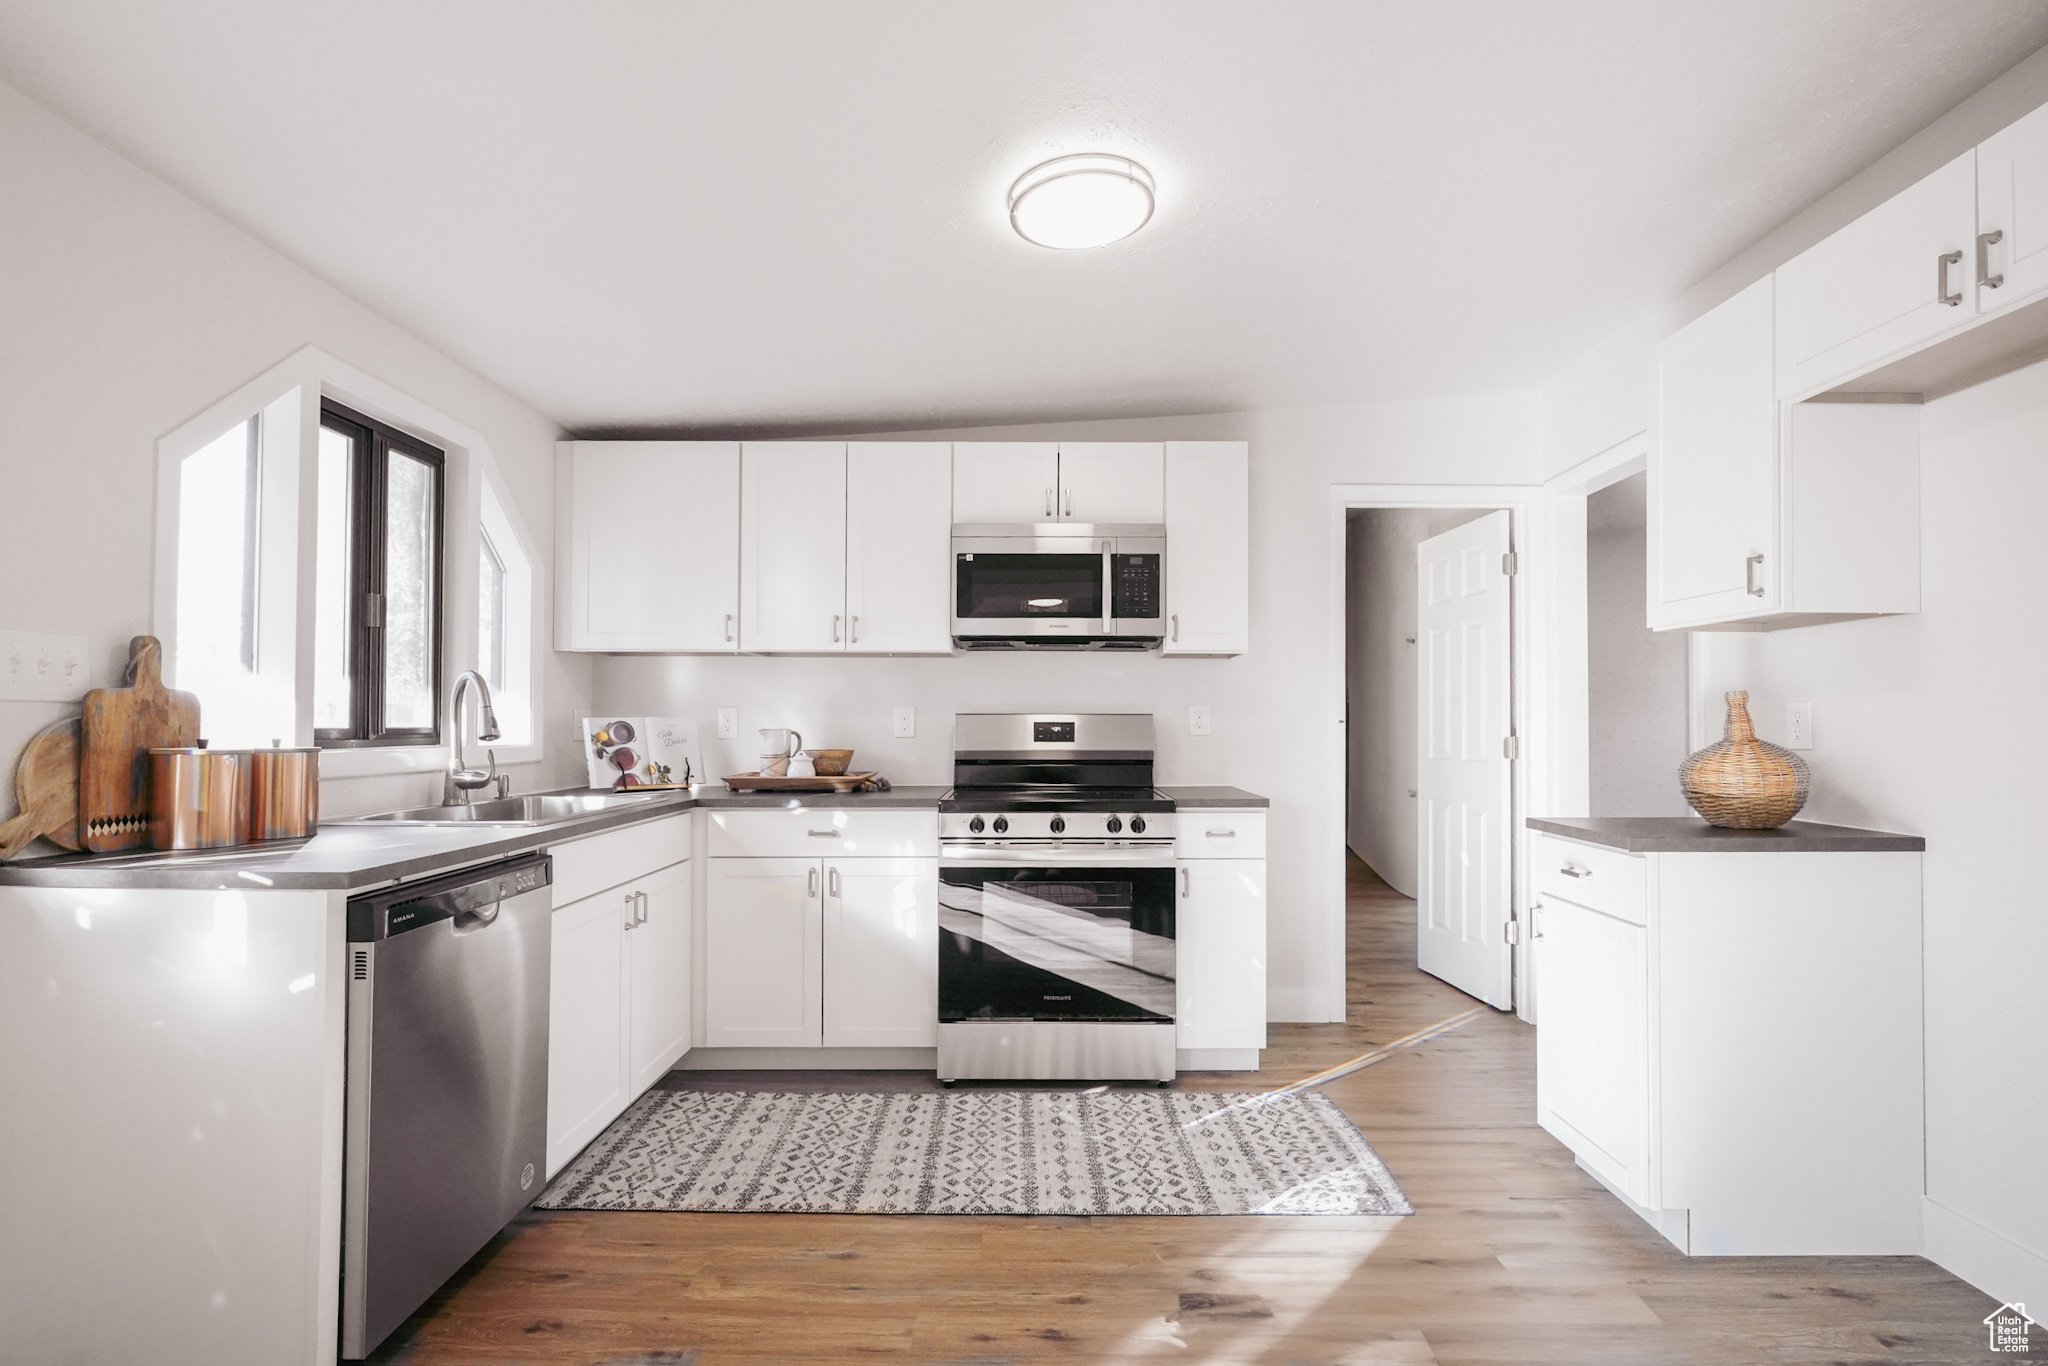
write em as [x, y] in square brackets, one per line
[463, 780]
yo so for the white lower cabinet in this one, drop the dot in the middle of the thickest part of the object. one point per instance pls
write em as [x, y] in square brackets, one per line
[1220, 942]
[659, 994]
[1592, 1068]
[763, 927]
[881, 953]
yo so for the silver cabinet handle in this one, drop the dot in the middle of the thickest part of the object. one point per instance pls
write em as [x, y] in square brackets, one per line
[1535, 933]
[632, 916]
[1070, 503]
[1222, 834]
[641, 897]
[1749, 583]
[832, 883]
[835, 628]
[1985, 241]
[1573, 870]
[1941, 265]
[814, 883]
[853, 629]
[1048, 502]
[1176, 628]
[1187, 884]
[728, 626]
[823, 834]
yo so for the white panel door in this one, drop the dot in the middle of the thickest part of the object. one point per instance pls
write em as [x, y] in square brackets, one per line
[1005, 481]
[1714, 549]
[588, 1066]
[658, 936]
[1890, 281]
[899, 547]
[2012, 206]
[653, 545]
[1592, 1039]
[1465, 779]
[1113, 481]
[793, 546]
[762, 931]
[1220, 944]
[881, 976]
[1208, 548]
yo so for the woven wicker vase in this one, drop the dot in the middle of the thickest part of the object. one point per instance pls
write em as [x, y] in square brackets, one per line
[1741, 783]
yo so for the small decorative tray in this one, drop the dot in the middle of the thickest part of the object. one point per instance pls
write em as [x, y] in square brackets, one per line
[754, 782]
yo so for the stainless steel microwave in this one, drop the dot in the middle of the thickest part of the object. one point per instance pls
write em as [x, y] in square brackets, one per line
[1059, 585]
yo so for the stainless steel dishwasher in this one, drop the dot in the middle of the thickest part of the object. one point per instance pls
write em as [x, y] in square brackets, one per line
[447, 1082]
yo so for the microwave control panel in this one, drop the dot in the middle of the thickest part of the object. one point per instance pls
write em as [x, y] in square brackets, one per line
[1136, 593]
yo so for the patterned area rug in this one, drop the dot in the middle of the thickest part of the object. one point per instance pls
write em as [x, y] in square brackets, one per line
[980, 1152]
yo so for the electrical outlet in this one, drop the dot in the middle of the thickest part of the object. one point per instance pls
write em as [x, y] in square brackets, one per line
[39, 667]
[1799, 725]
[728, 723]
[1198, 719]
[906, 723]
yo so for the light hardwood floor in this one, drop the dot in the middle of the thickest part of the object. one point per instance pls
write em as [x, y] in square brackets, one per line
[1513, 1255]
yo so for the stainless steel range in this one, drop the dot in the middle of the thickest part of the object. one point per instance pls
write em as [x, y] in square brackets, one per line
[1056, 901]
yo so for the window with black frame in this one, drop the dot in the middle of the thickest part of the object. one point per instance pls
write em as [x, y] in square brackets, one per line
[377, 618]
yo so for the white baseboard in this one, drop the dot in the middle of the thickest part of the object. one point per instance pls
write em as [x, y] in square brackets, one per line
[1304, 1005]
[1216, 1059]
[2003, 1269]
[809, 1059]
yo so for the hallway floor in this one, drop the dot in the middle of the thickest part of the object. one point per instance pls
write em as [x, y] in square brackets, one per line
[1514, 1254]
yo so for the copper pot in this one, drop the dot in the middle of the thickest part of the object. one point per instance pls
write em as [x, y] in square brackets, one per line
[284, 793]
[198, 798]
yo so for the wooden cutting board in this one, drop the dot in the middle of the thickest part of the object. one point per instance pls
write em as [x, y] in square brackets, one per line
[46, 791]
[119, 729]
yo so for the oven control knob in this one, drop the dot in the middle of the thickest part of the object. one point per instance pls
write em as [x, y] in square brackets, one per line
[975, 825]
[1059, 825]
[1115, 824]
[1002, 825]
[1137, 825]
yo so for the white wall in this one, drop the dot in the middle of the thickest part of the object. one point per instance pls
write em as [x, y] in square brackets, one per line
[1635, 677]
[1381, 682]
[125, 309]
[1273, 728]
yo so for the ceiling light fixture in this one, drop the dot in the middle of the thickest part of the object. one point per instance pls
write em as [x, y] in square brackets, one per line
[1089, 199]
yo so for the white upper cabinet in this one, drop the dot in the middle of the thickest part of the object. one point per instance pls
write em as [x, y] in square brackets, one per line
[2012, 214]
[648, 545]
[793, 546]
[1005, 481]
[1112, 482]
[899, 560]
[1208, 548]
[1888, 283]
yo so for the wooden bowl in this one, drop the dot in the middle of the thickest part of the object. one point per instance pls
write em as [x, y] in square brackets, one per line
[830, 763]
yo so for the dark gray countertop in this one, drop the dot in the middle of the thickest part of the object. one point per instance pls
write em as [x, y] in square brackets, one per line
[1195, 798]
[1691, 835]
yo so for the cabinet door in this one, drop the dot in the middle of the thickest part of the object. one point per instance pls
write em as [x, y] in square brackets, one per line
[588, 1067]
[793, 546]
[1005, 481]
[1592, 1039]
[2012, 202]
[1895, 278]
[1220, 943]
[762, 931]
[652, 561]
[899, 547]
[1208, 548]
[658, 938]
[1112, 481]
[881, 975]
[1713, 495]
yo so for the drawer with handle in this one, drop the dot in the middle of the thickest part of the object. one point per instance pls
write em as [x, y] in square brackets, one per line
[824, 833]
[1219, 834]
[1599, 879]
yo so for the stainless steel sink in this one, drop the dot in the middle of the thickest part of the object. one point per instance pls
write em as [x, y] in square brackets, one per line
[544, 809]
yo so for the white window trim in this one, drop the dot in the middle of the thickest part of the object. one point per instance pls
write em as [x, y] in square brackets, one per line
[289, 396]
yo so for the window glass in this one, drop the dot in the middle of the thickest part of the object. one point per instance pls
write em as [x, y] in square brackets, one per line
[331, 679]
[409, 529]
[490, 613]
[217, 529]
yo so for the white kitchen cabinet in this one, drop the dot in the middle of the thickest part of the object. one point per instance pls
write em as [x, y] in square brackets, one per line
[1220, 943]
[1208, 548]
[880, 969]
[763, 932]
[793, 546]
[659, 935]
[1112, 482]
[589, 1058]
[1890, 282]
[1592, 1064]
[1005, 481]
[1764, 514]
[647, 545]
[899, 547]
[2012, 215]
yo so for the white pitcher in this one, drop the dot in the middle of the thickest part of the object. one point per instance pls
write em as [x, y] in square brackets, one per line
[781, 742]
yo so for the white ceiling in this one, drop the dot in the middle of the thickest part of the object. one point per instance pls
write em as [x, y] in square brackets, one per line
[651, 216]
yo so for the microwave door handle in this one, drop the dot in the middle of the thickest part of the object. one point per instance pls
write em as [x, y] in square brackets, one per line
[1108, 549]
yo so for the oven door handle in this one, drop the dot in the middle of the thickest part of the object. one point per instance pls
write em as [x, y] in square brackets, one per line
[1060, 855]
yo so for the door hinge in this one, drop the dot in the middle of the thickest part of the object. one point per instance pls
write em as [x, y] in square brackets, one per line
[1511, 747]
[1508, 564]
[1512, 932]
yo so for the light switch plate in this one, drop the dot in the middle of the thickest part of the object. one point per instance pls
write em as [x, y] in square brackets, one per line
[728, 723]
[1799, 725]
[906, 723]
[36, 666]
[1198, 719]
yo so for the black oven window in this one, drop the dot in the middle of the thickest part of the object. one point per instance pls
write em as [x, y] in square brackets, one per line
[1012, 586]
[1056, 945]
